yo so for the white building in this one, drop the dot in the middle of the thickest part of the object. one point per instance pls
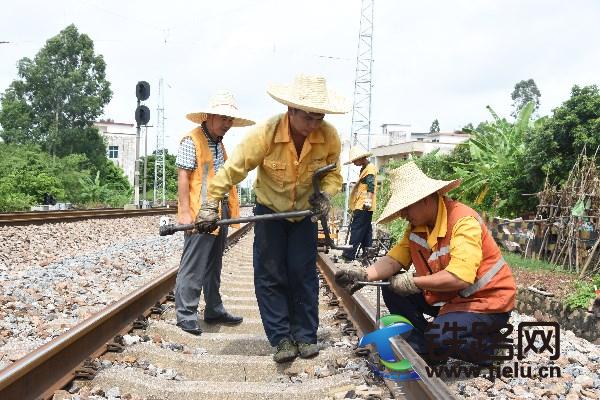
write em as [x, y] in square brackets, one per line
[120, 144]
[401, 143]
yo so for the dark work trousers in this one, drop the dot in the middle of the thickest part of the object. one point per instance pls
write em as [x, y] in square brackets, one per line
[285, 278]
[467, 336]
[200, 268]
[361, 232]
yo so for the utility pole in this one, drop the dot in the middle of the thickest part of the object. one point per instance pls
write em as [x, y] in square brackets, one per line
[360, 132]
[159, 160]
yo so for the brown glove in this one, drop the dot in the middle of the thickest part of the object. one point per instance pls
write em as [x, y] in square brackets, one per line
[347, 276]
[403, 284]
[206, 220]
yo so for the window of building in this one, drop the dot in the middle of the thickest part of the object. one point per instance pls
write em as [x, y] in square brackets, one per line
[113, 151]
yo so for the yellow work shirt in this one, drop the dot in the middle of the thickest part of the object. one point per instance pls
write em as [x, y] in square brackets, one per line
[465, 244]
[283, 181]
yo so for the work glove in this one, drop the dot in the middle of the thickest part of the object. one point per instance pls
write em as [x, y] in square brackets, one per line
[206, 220]
[320, 202]
[348, 277]
[403, 284]
[367, 204]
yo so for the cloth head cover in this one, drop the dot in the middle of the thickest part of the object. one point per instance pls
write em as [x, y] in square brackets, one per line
[222, 103]
[408, 184]
[356, 153]
[310, 94]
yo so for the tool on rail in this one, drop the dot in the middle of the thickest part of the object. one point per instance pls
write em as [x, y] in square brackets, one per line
[314, 214]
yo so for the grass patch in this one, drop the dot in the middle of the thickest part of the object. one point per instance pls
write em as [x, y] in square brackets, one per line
[516, 261]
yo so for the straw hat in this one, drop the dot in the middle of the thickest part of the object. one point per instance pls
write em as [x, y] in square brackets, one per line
[356, 153]
[408, 185]
[310, 94]
[222, 103]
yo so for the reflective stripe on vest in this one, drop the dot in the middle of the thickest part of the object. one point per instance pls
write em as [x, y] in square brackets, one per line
[204, 189]
[419, 240]
[441, 252]
[485, 279]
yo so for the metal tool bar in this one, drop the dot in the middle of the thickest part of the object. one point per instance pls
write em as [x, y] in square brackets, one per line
[171, 229]
[379, 283]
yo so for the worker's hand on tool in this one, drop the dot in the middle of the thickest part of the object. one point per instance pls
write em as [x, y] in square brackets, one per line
[206, 221]
[347, 276]
[320, 202]
[404, 284]
[367, 204]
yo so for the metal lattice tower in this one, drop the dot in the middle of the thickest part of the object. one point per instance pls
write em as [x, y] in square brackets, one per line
[360, 132]
[159, 161]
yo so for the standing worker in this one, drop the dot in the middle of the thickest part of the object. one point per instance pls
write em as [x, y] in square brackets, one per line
[461, 277]
[287, 149]
[201, 154]
[362, 203]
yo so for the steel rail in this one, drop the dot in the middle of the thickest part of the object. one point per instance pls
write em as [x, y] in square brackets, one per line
[32, 217]
[53, 365]
[363, 316]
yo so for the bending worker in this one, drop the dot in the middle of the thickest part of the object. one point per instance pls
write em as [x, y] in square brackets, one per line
[461, 278]
[362, 203]
[201, 154]
[287, 149]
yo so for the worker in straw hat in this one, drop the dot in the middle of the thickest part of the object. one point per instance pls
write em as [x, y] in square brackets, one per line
[362, 203]
[461, 278]
[287, 149]
[201, 154]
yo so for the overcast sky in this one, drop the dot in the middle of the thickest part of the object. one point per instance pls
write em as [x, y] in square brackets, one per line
[433, 59]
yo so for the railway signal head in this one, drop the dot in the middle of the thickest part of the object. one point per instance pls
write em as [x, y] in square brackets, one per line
[142, 90]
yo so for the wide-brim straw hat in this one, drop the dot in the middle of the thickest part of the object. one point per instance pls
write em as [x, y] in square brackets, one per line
[222, 103]
[310, 94]
[356, 153]
[408, 184]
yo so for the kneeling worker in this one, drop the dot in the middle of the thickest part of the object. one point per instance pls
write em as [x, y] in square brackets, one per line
[461, 277]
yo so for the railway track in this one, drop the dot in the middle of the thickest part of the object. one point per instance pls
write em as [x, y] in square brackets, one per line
[156, 360]
[36, 217]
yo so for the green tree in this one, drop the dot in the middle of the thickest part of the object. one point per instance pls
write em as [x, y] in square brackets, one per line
[435, 126]
[525, 92]
[557, 141]
[488, 179]
[57, 97]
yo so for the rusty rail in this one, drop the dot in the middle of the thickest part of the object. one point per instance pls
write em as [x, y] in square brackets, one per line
[33, 217]
[53, 365]
[362, 314]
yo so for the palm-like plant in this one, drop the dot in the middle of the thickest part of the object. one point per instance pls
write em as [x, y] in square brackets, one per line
[495, 148]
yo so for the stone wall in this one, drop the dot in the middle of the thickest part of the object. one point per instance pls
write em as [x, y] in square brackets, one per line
[583, 323]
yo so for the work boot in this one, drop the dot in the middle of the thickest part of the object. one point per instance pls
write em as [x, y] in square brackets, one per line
[308, 350]
[225, 319]
[190, 327]
[286, 351]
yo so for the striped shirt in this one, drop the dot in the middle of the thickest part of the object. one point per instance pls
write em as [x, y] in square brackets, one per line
[186, 155]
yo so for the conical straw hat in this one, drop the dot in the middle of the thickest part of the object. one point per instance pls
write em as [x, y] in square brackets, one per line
[356, 153]
[310, 94]
[222, 103]
[408, 184]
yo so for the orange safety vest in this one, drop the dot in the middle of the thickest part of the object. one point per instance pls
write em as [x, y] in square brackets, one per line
[359, 191]
[494, 288]
[204, 172]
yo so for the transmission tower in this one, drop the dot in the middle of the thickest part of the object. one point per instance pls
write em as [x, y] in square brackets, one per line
[360, 132]
[159, 161]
